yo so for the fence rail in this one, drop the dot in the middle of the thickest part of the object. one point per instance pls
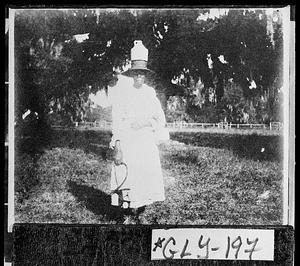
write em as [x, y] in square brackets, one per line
[183, 125]
[225, 125]
[101, 124]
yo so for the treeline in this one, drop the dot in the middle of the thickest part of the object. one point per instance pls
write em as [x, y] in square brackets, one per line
[219, 64]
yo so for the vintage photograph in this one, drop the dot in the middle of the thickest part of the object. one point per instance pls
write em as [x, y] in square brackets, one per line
[149, 116]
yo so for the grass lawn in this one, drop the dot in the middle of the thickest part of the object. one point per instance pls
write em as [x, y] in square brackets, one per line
[67, 181]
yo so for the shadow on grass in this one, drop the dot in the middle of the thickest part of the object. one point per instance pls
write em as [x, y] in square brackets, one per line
[98, 202]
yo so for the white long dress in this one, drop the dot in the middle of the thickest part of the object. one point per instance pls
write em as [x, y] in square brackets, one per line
[140, 152]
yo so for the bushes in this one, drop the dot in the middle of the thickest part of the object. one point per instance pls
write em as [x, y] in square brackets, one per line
[252, 146]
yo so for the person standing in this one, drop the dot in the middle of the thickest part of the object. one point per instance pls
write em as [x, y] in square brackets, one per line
[136, 177]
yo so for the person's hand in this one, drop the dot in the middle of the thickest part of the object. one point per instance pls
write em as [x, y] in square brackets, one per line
[92, 97]
[112, 144]
[118, 157]
[139, 123]
[135, 125]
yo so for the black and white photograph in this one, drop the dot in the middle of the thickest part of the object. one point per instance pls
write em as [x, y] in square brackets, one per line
[147, 133]
[149, 116]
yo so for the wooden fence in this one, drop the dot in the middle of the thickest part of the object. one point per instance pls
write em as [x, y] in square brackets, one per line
[225, 125]
[101, 124]
[183, 125]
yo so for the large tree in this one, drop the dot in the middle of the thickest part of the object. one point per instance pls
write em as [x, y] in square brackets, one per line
[53, 66]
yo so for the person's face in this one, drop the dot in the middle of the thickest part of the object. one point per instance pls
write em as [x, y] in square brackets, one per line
[139, 80]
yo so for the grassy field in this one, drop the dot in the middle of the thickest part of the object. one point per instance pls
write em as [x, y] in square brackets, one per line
[210, 178]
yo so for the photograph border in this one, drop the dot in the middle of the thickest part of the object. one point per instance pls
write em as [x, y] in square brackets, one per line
[289, 123]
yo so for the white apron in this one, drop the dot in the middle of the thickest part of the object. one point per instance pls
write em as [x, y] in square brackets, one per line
[140, 153]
